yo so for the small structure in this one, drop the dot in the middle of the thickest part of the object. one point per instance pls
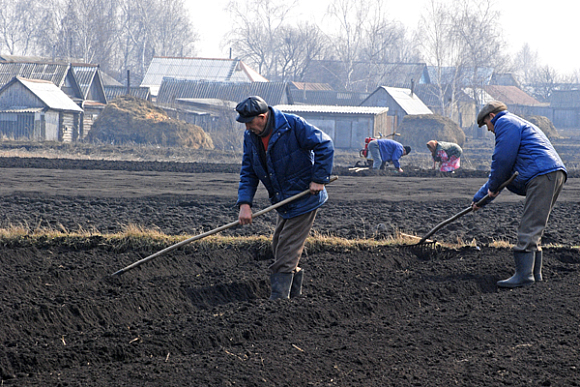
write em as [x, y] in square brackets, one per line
[399, 101]
[38, 110]
[198, 69]
[565, 105]
[83, 83]
[208, 103]
[347, 126]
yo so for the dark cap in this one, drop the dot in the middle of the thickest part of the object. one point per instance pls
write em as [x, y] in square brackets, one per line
[492, 107]
[251, 107]
[407, 149]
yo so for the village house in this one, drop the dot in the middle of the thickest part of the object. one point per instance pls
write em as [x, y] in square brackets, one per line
[399, 101]
[38, 110]
[197, 69]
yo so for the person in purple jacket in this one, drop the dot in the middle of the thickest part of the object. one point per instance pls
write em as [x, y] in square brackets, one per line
[383, 151]
[288, 155]
[521, 146]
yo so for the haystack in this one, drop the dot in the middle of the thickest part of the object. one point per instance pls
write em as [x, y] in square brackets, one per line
[132, 120]
[544, 124]
[417, 130]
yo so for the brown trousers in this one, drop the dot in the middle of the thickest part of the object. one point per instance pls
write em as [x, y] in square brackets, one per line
[288, 241]
[541, 195]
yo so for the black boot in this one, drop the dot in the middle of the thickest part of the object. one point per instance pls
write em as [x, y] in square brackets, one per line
[524, 271]
[281, 283]
[296, 289]
[538, 266]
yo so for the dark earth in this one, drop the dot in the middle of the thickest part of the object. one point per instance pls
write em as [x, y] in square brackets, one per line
[372, 313]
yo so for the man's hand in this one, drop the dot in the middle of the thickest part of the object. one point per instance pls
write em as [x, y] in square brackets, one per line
[245, 216]
[490, 194]
[315, 188]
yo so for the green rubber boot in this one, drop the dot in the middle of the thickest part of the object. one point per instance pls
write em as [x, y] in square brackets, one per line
[524, 275]
[281, 283]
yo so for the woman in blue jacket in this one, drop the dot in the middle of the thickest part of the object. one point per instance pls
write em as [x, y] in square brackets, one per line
[521, 146]
[288, 155]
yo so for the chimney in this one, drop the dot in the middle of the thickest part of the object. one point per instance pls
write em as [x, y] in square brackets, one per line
[412, 87]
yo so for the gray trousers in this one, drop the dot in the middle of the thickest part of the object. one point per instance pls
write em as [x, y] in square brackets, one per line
[288, 241]
[375, 154]
[541, 195]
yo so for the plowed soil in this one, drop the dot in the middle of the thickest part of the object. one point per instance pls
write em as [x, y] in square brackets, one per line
[199, 316]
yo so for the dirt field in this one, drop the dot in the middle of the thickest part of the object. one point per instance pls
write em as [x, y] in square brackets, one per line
[199, 316]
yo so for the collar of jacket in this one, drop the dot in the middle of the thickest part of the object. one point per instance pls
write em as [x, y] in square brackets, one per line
[498, 115]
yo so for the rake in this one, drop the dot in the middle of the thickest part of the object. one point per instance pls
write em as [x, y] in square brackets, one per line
[215, 230]
[425, 243]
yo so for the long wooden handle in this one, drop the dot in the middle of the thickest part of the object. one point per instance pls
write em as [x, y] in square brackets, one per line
[467, 210]
[216, 230]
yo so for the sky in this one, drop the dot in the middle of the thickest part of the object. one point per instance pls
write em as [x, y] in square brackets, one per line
[551, 31]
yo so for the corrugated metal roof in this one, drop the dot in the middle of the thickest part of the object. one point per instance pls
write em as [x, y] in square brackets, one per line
[409, 102]
[112, 92]
[311, 86]
[49, 94]
[172, 89]
[23, 110]
[461, 76]
[52, 72]
[84, 75]
[332, 109]
[223, 70]
[327, 97]
[511, 95]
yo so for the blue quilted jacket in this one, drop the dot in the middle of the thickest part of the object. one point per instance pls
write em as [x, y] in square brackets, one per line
[519, 146]
[298, 153]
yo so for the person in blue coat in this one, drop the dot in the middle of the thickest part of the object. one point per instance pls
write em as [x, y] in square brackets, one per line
[289, 156]
[521, 146]
[383, 151]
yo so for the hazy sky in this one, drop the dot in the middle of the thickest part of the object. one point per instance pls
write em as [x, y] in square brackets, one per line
[550, 28]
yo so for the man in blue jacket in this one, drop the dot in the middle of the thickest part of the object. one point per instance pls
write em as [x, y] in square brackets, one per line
[383, 151]
[523, 147]
[289, 156]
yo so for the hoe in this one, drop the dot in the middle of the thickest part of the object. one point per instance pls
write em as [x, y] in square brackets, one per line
[215, 230]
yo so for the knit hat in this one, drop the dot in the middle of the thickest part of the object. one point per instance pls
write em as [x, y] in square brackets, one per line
[407, 149]
[492, 107]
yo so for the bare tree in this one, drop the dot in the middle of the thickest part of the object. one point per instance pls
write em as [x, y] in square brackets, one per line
[480, 42]
[256, 31]
[442, 51]
[298, 46]
[526, 64]
[19, 24]
[348, 40]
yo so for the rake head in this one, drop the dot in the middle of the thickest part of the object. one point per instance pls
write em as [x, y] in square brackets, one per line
[424, 249]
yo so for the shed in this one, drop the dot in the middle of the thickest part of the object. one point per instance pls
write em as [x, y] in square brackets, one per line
[565, 105]
[38, 110]
[199, 69]
[347, 126]
[400, 101]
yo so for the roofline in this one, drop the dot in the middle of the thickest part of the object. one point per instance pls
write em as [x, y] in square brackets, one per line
[183, 57]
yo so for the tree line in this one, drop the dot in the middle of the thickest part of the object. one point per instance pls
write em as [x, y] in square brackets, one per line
[119, 35]
[122, 35]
